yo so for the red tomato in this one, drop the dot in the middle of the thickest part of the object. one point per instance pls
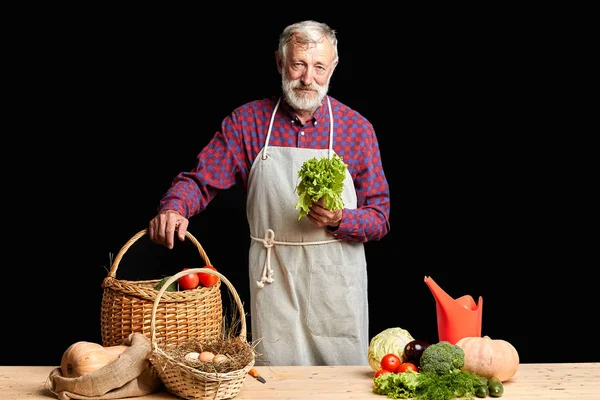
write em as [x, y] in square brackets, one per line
[381, 372]
[407, 366]
[189, 281]
[390, 362]
[207, 279]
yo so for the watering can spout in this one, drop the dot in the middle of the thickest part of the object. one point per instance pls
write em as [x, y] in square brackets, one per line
[456, 318]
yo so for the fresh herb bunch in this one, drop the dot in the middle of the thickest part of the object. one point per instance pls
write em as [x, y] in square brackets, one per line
[319, 179]
[428, 385]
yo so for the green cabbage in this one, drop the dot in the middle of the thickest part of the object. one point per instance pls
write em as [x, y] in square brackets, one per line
[391, 340]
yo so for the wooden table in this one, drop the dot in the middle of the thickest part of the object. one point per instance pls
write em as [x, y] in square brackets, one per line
[532, 381]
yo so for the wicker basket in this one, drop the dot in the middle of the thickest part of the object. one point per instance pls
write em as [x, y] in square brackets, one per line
[127, 307]
[188, 382]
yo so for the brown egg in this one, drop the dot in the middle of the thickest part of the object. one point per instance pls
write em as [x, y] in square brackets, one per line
[206, 356]
[219, 358]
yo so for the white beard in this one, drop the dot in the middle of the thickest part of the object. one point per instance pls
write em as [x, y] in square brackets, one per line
[303, 102]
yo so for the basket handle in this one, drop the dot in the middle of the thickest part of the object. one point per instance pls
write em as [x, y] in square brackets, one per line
[178, 275]
[113, 269]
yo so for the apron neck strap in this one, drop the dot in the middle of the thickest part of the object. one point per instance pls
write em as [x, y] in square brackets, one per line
[330, 150]
[264, 155]
[330, 128]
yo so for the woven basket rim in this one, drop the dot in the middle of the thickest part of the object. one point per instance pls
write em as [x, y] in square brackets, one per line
[134, 288]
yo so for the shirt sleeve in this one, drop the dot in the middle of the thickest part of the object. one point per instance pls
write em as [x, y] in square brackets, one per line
[370, 220]
[218, 167]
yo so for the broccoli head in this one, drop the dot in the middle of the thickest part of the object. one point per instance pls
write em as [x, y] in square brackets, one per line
[442, 358]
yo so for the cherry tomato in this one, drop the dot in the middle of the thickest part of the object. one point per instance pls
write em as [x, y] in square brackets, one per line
[390, 362]
[188, 281]
[407, 366]
[381, 372]
[207, 279]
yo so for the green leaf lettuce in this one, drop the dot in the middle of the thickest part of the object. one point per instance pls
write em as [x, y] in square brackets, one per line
[322, 178]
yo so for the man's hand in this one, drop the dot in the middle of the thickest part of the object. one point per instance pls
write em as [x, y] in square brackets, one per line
[320, 216]
[163, 227]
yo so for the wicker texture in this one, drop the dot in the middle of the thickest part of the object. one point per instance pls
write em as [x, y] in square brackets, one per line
[127, 307]
[188, 382]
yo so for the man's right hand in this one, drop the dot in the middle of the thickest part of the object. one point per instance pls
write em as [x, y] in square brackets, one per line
[163, 227]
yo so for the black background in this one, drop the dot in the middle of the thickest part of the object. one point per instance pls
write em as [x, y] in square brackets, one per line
[119, 102]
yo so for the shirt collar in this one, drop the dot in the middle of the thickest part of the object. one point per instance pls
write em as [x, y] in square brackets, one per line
[317, 118]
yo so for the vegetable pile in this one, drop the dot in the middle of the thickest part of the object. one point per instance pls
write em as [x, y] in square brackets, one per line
[408, 368]
[321, 179]
[421, 371]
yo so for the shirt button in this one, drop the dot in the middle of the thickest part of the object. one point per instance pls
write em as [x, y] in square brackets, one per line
[302, 133]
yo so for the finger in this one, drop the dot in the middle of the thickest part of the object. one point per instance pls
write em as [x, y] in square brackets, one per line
[182, 229]
[319, 205]
[171, 228]
[315, 219]
[318, 211]
[154, 231]
[151, 230]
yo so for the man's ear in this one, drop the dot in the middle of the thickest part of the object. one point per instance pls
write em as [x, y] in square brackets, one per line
[335, 65]
[279, 62]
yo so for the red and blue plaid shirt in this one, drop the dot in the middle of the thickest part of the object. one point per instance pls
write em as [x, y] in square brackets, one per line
[229, 155]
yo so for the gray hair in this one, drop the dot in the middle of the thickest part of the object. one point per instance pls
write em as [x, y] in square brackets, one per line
[307, 32]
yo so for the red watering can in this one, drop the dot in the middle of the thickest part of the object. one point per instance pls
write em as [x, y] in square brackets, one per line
[458, 318]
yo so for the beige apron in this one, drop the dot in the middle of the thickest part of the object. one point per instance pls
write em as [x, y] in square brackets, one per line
[308, 290]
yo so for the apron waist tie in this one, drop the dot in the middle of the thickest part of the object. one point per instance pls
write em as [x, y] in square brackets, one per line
[270, 242]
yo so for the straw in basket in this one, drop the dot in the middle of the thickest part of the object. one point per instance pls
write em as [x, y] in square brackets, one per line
[189, 382]
[180, 315]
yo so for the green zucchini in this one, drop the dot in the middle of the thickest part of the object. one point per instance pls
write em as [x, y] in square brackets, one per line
[481, 388]
[481, 391]
[495, 387]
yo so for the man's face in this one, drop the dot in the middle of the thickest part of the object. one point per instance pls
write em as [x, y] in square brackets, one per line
[306, 74]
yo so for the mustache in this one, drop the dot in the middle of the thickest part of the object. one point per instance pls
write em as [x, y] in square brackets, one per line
[305, 87]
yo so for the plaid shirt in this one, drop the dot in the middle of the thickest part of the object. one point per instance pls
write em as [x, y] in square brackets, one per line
[230, 154]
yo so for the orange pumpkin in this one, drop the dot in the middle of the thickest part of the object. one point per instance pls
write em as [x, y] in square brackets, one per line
[489, 357]
[82, 358]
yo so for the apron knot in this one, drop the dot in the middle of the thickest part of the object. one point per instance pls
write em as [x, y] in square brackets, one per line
[267, 275]
[269, 238]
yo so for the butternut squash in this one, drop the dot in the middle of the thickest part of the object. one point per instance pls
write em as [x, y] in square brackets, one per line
[82, 358]
[489, 357]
